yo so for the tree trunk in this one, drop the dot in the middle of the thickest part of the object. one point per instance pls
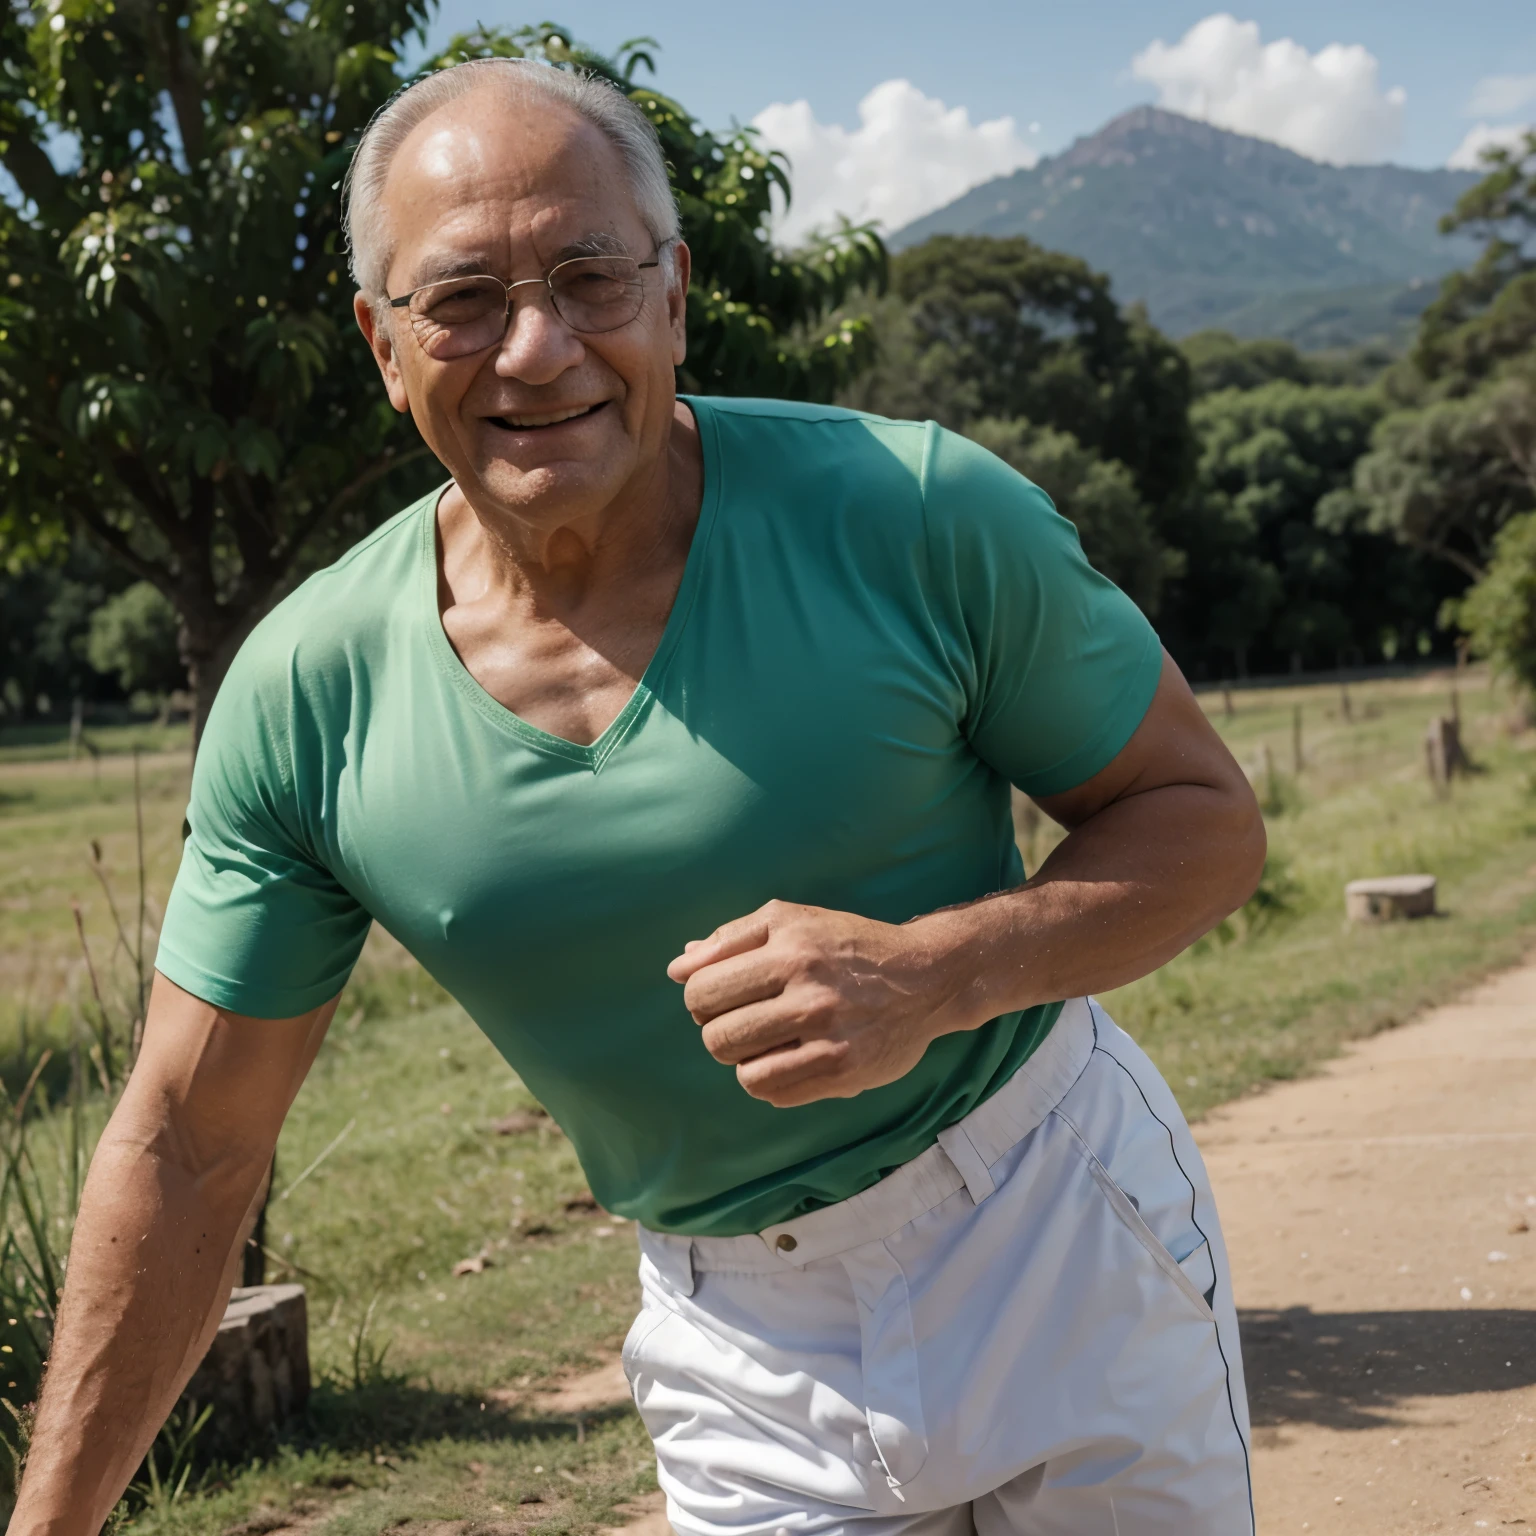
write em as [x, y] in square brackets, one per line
[207, 652]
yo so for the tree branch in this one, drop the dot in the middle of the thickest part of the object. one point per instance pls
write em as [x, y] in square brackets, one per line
[145, 570]
[186, 94]
[1454, 557]
[131, 470]
[317, 519]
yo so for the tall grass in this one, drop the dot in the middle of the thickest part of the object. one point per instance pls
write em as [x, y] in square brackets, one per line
[45, 1150]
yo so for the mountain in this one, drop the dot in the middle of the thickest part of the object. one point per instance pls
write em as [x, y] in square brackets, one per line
[1210, 228]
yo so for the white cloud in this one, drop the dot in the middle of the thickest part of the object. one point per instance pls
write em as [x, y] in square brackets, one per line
[909, 155]
[1328, 105]
[1468, 155]
[1502, 95]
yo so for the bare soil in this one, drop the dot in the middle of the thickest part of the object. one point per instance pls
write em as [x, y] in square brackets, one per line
[1382, 1223]
[1381, 1219]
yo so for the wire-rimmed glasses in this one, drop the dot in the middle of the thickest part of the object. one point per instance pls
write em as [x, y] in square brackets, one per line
[462, 315]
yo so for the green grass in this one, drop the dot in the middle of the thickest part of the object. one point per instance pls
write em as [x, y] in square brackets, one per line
[1226, 1017]
[426, 1405]
[50, 742]
[406, 1090]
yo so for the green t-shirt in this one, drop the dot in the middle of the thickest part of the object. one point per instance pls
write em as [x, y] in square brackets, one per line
[880, 626]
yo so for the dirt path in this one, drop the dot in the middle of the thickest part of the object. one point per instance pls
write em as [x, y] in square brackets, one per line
[1382, 1225]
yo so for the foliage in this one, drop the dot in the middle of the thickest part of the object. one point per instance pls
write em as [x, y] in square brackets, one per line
[1498, 613]
[1096, 494]
[133, 637]
[1457, 461]
[1441, 478]
[1003, 328]
[1486, 316]
[1269, 576]
[45, 622]
[1219, 360]
[178, 370]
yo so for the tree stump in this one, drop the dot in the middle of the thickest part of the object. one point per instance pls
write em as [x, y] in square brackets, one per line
[256, 1371]
[1389, 897]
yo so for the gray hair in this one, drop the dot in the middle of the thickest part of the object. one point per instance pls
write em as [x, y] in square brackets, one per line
[603, 105]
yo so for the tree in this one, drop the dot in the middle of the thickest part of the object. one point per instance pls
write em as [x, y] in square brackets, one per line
[1447, 472]
[1219, 360]
[132, 637]
[1270, 579]
[1097, 495]
[978, 327]
[179, 376]
[1486, 316]
[1498, 613]
[1443, 479]
[45, 623]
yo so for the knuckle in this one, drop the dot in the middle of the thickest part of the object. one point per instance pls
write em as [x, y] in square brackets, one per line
[718, 1043]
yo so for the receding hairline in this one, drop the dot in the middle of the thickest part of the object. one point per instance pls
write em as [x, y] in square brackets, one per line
[526, 91]
[576, 127]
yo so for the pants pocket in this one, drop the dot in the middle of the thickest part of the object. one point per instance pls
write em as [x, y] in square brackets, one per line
[1192, 1270]
[652, 1316]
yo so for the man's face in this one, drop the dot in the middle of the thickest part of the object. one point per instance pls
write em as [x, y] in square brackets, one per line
[486, 185]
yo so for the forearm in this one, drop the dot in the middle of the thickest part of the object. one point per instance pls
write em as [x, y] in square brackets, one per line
[1121, 895]
[151, 1264]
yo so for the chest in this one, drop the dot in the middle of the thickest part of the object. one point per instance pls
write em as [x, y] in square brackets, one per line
[566, 669]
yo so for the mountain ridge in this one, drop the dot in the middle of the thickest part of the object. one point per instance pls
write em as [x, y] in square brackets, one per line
[1213, 228]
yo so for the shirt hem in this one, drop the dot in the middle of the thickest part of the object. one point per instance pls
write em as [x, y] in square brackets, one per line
[240, 997]
[1124, 721]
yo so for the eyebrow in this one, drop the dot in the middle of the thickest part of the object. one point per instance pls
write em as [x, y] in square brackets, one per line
[439, 269]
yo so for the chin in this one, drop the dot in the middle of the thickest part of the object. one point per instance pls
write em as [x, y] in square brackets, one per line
[550, 488]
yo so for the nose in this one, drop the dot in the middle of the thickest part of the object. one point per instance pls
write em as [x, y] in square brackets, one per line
[538, 345]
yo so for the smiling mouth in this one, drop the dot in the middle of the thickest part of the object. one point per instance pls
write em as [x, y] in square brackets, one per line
[531, 423]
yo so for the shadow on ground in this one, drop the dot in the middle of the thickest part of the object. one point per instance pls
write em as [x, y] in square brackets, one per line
[1349, 1370]
[395, 1414]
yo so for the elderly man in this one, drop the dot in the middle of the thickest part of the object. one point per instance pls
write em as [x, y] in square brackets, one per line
[675, 738]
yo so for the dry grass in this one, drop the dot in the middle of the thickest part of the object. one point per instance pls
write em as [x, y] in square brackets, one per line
[421, 1181]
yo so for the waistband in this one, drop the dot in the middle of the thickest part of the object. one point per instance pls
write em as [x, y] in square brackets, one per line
[961, 1158]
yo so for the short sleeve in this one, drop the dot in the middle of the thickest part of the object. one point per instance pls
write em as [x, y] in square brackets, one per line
[1058, 664]
[256, 923]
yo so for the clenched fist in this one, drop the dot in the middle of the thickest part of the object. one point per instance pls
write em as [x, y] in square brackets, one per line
[811, 1004]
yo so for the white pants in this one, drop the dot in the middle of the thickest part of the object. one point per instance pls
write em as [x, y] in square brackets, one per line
[1028, 1328]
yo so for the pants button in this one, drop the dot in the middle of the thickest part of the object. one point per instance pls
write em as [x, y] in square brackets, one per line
[785, 1242]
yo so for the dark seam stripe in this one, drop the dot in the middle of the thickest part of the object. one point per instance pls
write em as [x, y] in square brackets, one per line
[1193, 1197]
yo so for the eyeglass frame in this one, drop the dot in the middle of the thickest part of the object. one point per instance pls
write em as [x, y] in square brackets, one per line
[403, 302]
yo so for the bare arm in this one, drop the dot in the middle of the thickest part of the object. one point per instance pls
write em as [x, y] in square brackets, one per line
[1162, 844]
[172, 1190]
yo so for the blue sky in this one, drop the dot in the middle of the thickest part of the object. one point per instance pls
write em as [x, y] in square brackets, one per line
[1064, 65]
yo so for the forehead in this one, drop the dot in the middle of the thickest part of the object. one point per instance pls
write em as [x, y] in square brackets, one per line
[505, 180]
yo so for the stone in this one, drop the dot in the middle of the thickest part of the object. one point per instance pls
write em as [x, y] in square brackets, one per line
[256, 1371]
[1389, 897]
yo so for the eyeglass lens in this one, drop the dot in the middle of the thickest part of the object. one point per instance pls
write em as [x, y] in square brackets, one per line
[591, 294]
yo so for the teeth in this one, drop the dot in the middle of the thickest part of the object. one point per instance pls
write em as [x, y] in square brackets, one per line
[546, 421]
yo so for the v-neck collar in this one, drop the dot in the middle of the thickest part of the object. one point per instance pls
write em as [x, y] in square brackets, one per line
[592, 756]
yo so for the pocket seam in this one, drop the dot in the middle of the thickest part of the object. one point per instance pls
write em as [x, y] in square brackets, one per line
[629, 1353]
[1120, 1204]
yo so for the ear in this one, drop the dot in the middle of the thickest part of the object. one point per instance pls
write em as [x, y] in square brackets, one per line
[677, 302]
[379, 335]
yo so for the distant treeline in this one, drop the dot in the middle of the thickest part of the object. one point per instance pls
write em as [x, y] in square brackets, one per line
[1272, 511]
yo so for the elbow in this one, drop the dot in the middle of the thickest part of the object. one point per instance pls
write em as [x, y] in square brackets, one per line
[1249, 846]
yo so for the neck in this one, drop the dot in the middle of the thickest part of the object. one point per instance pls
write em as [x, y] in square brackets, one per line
[560, 566]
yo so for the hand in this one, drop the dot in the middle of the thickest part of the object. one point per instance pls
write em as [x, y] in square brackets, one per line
[809, 1004]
